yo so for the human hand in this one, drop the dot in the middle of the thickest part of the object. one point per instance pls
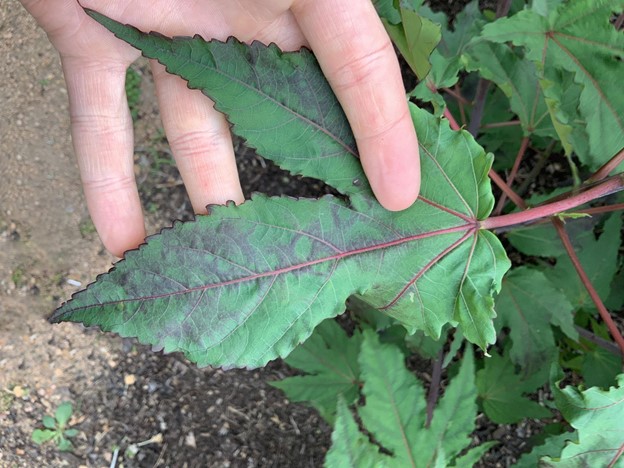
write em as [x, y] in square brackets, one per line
[348, 40]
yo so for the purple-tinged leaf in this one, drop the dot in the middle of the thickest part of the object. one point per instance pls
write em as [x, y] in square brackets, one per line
[248, 283]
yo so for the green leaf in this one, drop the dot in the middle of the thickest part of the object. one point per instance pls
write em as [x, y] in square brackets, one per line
[551, 447]
[529, 305]
[268, 96]
[65, 445]
[414, 35]
[517, 78]
[387, 11]
[350, 448]
[395, 400]
[395, 408]
[71, 433]
[330, 359]
[472, 456]
[41, 436]
[577, 38]
[542, 240]
[272, 269]
[599, 260]
[446, 60]
[63, 413]
[501, 392]
[454, 417]
[597, 415]
[420, 36]
[600, 367]
[49, 422]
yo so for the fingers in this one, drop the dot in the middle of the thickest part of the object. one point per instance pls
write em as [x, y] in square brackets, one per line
[200, 140]
[358, 60]
[103, 142]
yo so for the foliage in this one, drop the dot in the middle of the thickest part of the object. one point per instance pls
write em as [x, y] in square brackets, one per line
[55, 428]
[541, 82]
[395, 415]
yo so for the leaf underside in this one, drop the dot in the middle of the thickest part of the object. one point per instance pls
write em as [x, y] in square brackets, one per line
[246, 284]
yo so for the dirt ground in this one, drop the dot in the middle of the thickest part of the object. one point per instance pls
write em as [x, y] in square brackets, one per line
[143, 408]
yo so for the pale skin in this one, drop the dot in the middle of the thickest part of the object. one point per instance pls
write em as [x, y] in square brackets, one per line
[348, 39]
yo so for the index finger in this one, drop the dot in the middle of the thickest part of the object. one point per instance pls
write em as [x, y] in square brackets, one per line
[359, 62]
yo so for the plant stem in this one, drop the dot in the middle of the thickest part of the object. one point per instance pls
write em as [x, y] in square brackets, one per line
[604, 313]
[452, 122]
[510, 123]
[502, 9]
[461, 103]
[541, 163]
[609, 166]
[512, 175]
[605, 344]
[456, 95]
[477, 112]
[619, 22]
[500, 183]
[572, 200]
[434, 388]
[603, 209]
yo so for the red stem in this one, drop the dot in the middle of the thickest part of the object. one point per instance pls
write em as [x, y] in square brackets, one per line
[451, 119]
[604, 313]
[609, 186]
[506, 190]
[602, 209]
[608, 167]
[619, 22]
[512, 175]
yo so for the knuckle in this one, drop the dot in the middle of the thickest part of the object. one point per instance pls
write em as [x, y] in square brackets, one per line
[359, 68]
[201, 143]
[106, 184]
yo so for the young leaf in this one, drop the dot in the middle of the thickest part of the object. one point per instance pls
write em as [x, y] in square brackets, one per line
[395, 408]
[330, 359]
[247, 284]
[65, 445]
[49, 422]
[501, 392]
[71, 433]
[529, 305]
[350, 448]
[41, 436]
[63, 413]
[415, 37]
[597, 415]
[578, 38]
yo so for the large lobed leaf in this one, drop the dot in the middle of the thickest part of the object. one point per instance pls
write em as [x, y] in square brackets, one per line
[395, 412]
[329, 358]
[597, 416]
[248, 283]
[576, 37]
